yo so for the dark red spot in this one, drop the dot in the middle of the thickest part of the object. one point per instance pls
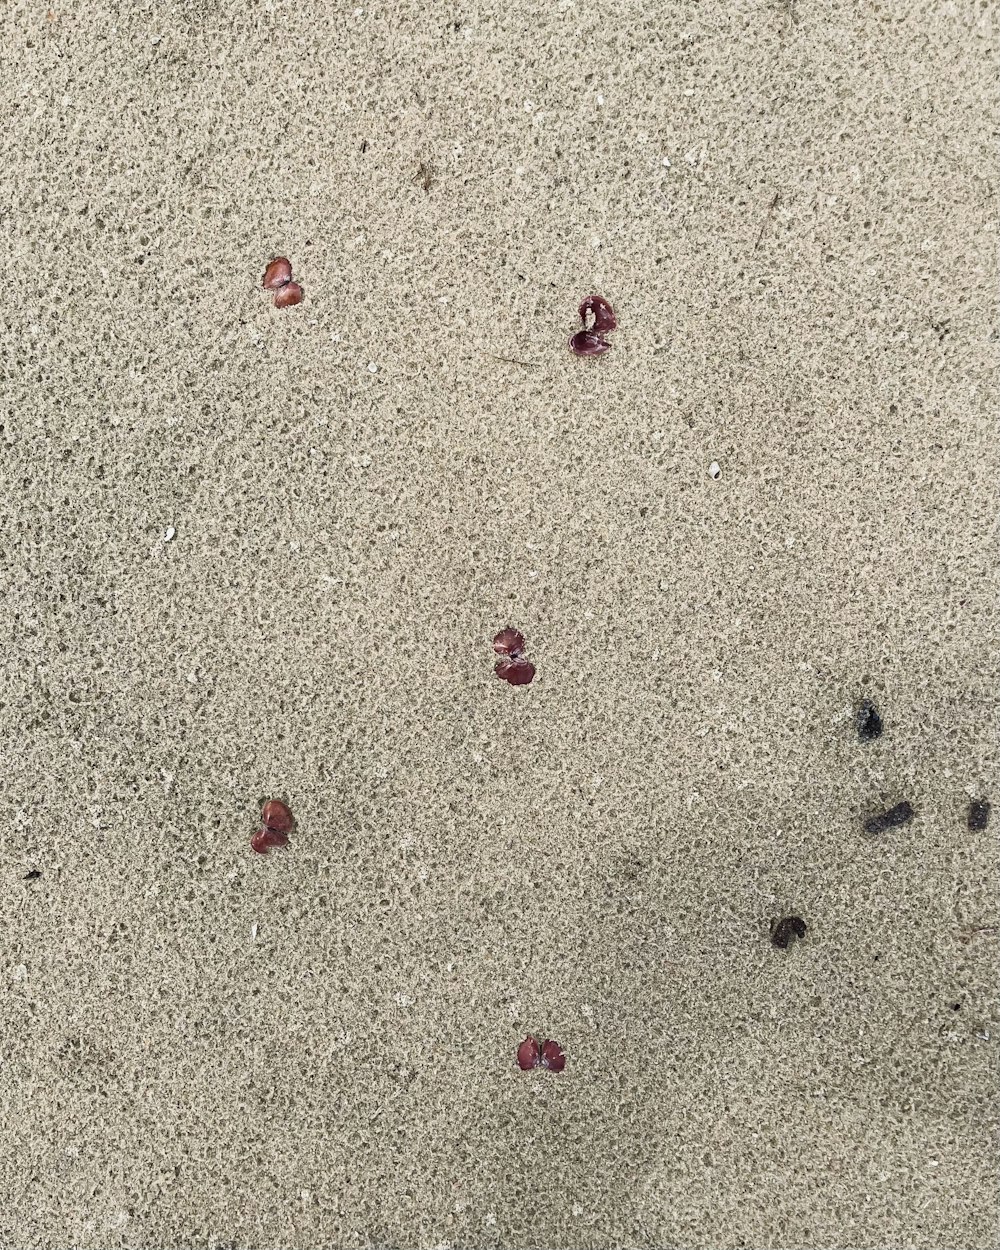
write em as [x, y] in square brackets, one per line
[276, 816]
[528, 1054]
[265, 839]
[604, 320]
[291, 293]
[517, 672]
[534, 1054]
[553, 1057]
[509, 641]
[587, 343]
[599, 320]
[277, 274]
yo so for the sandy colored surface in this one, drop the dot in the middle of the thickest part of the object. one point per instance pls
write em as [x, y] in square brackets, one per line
[805, 296]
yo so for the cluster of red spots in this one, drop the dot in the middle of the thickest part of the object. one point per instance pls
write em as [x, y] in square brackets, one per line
[599, 320]
[512, 666]
[535, 1054]
[278, 278]
[276, 821]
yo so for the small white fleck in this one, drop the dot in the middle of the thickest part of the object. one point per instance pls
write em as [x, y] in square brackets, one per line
[600, 99]
[790, 542]
[20, 972]
[577, 1209]
[156, 39]
[253, 932]
[529, 105]
[715, 469]
[372, 367]
[519, 169]
[689, 90]
[595, 242]
[305, 1194]
[168, 533]
[192, 677]
[73, 1152]
[666, 162]
[334, 338]
[491, 1218]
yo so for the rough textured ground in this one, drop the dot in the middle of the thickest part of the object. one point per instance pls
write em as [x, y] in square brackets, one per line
[792, 207]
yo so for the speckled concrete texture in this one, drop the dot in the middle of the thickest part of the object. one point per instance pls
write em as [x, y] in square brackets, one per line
[248, 552]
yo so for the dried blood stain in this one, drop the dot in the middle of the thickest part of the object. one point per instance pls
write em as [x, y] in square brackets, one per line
[869, 722]
[901, 814]
[785, 930]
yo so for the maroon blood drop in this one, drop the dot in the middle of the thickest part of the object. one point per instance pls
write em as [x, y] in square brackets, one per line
[588, 343]
[597, 306]
[291, 293]
[517, 672]
[265, 839]
[277, 274]
[277, 816]
[509, 641]
[528, 1054]
[553, 1057]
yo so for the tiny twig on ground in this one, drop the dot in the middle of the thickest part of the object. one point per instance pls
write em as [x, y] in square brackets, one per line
[507, 360]
[770, 211]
